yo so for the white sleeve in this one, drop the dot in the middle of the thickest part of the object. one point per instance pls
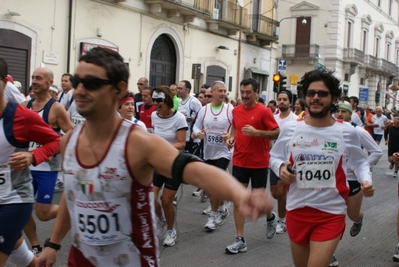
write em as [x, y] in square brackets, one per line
[374, 150]
[195, 106]
[279, 153]
[356, 119]
[198, 125]
[12, 94]
[356, 157]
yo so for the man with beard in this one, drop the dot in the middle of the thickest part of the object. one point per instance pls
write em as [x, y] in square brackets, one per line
[277, 187]
[312, 156]
[253, 127]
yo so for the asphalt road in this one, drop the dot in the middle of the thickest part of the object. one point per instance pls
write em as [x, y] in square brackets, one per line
[373, 247]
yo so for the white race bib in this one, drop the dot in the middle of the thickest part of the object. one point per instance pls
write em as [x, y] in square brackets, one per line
[315, 174]
[215, 139]
[102, 223]
[5, 179]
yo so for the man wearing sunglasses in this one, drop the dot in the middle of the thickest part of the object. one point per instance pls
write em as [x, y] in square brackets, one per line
[108, 166]
[138, 98]
[45, 174]
[312, 157]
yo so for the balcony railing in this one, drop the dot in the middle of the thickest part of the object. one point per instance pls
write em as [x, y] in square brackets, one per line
[353, 55]
[262, 25]
[387, 66]
[230, 12]
[371, 61]
[185, 7]
[301, 50]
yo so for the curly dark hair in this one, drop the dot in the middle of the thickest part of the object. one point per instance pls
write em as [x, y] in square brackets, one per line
[324, 75]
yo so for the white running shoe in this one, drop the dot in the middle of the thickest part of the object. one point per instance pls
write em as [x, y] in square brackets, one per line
[207, 211]
[280, 228]
[170, 239]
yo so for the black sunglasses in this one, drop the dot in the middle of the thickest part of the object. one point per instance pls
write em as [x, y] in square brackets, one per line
[89, 83]
[208, 96]
[312, 93]
[158, 100]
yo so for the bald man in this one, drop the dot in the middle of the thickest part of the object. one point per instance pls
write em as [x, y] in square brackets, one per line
[45, 174]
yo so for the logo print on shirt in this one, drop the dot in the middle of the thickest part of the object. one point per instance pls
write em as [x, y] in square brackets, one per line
[330, 146]
[87, 187]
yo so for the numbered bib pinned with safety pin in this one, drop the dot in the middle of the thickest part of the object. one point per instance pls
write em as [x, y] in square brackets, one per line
[100, 223]
[316, 174]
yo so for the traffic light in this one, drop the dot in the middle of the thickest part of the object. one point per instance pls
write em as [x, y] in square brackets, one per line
[276, 82]
[283, 81]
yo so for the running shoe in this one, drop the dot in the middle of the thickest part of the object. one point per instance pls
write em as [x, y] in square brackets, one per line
[395, 174]
[356, 227]
[204, 196]
[334, 262]
[223, 213]
[170, 239]
[213, 222]
[391, 166]
[271, 227]
[227, 204]
[161, 227]
[207, 211]
[36, 250]
[280, 228]
[239, 245]
[59, 186]
[395, 256]
[197, 192]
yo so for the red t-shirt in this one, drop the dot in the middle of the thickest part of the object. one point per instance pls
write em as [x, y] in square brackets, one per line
[250, 151]
[145, 115]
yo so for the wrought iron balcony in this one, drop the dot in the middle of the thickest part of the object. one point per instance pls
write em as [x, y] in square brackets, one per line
[387, 66]
[261, 27]
[227, 14]
[190, 8]
[301, 51]
[353, 55]
[371, 62]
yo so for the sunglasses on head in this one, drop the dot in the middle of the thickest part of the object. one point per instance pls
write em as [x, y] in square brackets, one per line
[312, 93]
[158, 100]
[89, 83]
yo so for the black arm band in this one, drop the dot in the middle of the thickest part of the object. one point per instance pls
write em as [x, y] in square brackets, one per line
[52, 245]
[180, 163]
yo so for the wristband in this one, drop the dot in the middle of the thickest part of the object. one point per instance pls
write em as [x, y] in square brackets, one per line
[52, 245]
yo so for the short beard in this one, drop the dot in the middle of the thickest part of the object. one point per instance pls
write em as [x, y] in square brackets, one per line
[321, 114]
[284, 109]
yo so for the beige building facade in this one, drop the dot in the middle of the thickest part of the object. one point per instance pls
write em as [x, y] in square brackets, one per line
[164, 40]
[358, 39]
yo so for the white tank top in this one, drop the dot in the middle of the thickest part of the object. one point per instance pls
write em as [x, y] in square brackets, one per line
[112, 215]
[214, 125]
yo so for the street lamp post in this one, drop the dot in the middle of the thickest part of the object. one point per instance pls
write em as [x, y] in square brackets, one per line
[276, 32]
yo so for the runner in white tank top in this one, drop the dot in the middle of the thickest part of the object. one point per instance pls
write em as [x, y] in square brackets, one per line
[109, 165]
[213, 122]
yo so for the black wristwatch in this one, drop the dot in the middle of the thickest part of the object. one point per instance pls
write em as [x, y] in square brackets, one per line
[52, 245]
